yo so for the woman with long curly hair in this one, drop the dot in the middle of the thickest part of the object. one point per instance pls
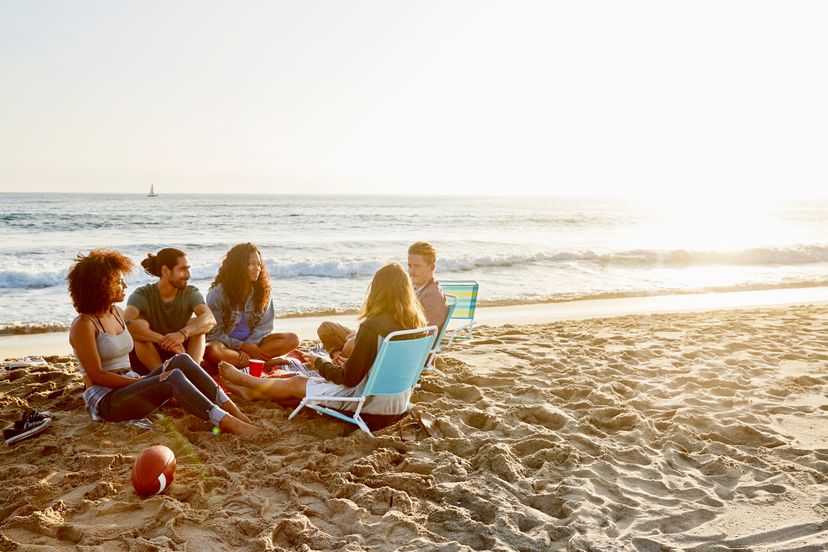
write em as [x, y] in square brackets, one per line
[114, 392]
[391, 305]
[240, 300]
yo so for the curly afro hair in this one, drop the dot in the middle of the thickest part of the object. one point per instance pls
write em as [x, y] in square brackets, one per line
[95, 279]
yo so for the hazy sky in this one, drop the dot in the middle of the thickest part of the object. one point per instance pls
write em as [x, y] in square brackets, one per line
[569, 98]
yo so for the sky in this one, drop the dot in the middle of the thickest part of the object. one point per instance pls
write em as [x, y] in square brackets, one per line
[635, 99]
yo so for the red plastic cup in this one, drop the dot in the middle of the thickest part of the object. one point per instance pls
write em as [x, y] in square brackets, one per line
[256, 367]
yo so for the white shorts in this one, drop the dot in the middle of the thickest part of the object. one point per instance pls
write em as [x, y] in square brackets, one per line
[383, 404]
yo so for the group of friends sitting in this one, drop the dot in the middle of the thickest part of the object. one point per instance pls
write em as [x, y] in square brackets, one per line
[169, 342]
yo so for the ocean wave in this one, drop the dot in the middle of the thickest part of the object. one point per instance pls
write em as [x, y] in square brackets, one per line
[641, 258]
[301, 269]
[16, 278]
[323, 269]
[26, 329]
[650, 258]
[677, 258]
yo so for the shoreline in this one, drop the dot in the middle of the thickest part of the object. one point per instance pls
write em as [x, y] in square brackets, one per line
[57, 343]
[33, 328]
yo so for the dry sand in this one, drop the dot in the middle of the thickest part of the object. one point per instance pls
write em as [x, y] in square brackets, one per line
[691, 431]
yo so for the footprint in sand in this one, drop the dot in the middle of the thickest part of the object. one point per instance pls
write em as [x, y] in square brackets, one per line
[531, 446]
[614, 419]
[479, 420]
[752, 491]
[490, 341]
[544, 415]
[463, 392]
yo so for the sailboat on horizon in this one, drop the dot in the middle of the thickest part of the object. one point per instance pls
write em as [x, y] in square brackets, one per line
[152, 191]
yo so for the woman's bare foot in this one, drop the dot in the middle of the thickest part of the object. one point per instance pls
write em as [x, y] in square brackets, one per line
[231, 424]
[233, 409]
[231, 374]
[276, 361]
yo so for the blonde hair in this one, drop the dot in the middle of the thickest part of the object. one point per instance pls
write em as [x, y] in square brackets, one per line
[425, 250]
[391, 292]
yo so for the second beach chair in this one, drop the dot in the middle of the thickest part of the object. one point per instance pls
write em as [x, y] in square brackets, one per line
[466, 293]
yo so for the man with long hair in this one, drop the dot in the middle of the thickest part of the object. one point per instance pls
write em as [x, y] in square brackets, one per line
[167, 317]
[240, 298]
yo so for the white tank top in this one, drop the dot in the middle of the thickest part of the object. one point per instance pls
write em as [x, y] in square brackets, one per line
[113, 349]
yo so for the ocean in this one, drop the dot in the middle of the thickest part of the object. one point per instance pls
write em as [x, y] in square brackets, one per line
[321, 251]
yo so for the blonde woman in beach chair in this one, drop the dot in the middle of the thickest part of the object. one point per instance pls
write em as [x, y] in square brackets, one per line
[391, 310]
[393, 376]
[466, 293]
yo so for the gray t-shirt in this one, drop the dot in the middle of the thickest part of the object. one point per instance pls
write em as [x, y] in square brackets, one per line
[164, 317]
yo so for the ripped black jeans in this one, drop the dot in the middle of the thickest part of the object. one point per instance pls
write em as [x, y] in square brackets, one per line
[188, 383]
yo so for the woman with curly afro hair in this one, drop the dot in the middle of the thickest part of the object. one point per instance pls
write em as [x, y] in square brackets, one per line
[114, 392]
[240, 300]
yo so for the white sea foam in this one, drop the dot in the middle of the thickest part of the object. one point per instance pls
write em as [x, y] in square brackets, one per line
[20, 278]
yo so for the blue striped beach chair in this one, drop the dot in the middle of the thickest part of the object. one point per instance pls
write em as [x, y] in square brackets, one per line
[466, 293]
[432, 358]
[397, 368]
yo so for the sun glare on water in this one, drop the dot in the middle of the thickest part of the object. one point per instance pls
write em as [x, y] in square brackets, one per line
[698, 242]
[713, 225]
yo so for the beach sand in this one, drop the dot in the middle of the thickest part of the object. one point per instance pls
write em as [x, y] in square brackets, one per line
[691, 431]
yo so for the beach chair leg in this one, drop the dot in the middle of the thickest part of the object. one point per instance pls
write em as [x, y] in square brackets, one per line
[297, 409]
[438, 372]
[363, 426]
[431, 368]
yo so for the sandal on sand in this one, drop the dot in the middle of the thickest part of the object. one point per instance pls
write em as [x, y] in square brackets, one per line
[408, 430]
[428, 422]
[30, 423]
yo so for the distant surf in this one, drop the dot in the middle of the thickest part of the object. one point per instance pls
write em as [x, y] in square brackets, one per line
[639, 258]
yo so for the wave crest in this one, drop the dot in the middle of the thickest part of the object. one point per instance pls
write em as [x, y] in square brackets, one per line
[337, 268]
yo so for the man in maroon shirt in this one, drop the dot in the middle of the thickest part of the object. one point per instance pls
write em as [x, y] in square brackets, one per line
[422, 262]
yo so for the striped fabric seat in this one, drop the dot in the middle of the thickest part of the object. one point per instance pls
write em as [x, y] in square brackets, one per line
[466, 293]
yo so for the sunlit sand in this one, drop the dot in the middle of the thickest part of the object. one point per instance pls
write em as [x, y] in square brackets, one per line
[682, 430]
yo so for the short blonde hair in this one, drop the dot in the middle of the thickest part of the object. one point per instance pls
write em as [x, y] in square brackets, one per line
[425, 250]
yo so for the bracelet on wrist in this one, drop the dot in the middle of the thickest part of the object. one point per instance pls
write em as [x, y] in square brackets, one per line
[184, 333]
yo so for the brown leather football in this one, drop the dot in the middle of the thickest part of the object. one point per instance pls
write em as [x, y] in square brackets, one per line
[153, 470]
